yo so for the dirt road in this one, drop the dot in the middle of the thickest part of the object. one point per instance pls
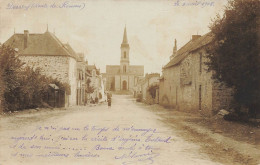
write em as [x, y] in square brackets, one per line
[126, 133]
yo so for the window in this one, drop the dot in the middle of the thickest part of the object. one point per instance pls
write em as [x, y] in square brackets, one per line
[124, 54]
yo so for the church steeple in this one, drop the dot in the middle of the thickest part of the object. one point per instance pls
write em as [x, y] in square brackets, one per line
[125, 41]
[124, 60]
[125, 37]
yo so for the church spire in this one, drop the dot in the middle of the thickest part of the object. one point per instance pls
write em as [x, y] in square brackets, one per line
[125, 37]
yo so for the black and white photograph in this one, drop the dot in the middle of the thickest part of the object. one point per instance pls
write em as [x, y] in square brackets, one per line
[129, 82]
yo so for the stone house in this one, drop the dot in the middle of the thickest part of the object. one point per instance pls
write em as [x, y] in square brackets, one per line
[186, 84]
[54, 58]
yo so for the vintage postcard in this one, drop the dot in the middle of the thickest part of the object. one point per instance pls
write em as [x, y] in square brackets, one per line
[117, 82]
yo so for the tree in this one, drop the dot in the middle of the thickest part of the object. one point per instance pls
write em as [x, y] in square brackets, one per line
[234, 55]
[10, 67]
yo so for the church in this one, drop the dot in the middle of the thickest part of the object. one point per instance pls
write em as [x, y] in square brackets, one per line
[123, 77]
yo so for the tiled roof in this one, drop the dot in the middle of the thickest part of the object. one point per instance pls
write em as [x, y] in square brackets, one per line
[40, 44]
[71, 51]
[192, 45]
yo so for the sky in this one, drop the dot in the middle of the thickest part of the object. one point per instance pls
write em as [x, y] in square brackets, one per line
[96, 27]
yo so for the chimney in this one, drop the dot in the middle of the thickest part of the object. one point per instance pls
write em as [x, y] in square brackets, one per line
[26, 37]
[194, 37]
[174, 52]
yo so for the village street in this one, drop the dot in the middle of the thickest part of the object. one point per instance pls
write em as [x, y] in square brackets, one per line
[97, 135]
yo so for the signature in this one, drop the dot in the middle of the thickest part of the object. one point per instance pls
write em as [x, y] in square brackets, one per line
[135, 157]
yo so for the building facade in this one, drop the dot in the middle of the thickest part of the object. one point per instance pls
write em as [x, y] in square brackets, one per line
[96, 82]
[186, 84]
[81, 84]
[123, 77]
[55, 59]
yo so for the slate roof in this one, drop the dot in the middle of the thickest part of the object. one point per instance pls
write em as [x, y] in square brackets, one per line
[191, 46]
[40, 44]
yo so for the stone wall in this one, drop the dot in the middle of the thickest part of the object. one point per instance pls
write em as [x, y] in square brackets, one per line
[61, 67]
[73, 80]
[54, 66]
[117, 82]
[221, 97]
[196, 88]
[169, 87]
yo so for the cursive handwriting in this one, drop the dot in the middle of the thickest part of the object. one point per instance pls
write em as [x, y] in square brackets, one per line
[54, 5]
[128, 144]
[194, 3]
[135, 157]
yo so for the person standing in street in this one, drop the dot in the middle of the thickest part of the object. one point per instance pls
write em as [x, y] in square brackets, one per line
[109, 100]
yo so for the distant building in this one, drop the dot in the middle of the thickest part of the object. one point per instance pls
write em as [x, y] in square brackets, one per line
[138, 86]
[123, 77]
[186, 84]
[97, 82]
[81, 85]
[149, 81]
[55, 59]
